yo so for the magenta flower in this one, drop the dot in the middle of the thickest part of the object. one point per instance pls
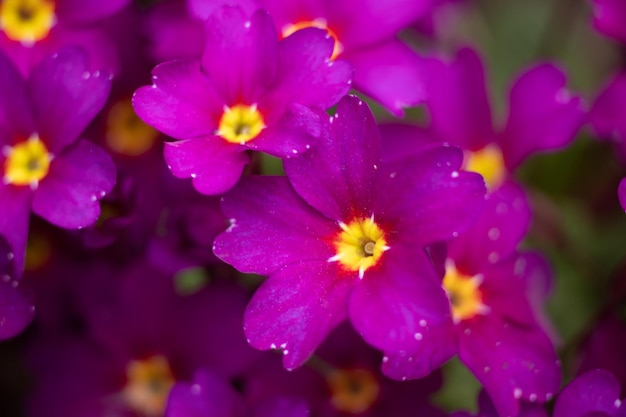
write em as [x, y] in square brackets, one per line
[32, 30]
[608, 114]
[609, 17]
[364, 34]
[47, 167]
[248, 92]
[543, 114]
[344, 237]
[494, 328]
[595, 393]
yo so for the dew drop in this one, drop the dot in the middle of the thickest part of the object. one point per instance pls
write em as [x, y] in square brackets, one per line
[517, 393]
[418, 336]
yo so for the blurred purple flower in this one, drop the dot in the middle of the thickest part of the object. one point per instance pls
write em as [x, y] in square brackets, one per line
[47, 167]
[595, 393]
[32, 30]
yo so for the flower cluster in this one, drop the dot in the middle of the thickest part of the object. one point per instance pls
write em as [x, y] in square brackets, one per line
[304, 208]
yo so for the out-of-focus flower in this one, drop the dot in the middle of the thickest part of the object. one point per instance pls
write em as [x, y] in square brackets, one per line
[543, 114]
[30, 30]
[595, 393]
[47, 167]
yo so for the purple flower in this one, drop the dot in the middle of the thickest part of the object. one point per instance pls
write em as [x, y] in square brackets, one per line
[543, 114]
[609, 17]
[494, 329]
[249, 91]
[32, 30]
[46, 166]
[595, 393]
[209, 395]
[344, 237]
[608, 114]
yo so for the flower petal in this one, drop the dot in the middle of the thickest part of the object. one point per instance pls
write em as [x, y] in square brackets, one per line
[513, 363]
[294, 133]
[336, 175]
[208, 395]
[427, 197]
[240, 54]
[296, 308]
[398, 300]
[16, 114]
[15, 203]
[593, 391]
[181, 103]
[271, 226]
[79, 177]
[16, 311]
[425, 356]
[400, 67]
[214, 166]
[543, 114]
[457, 101]
[305, 72]
[67, 96]
[608, 114]
[501, 226]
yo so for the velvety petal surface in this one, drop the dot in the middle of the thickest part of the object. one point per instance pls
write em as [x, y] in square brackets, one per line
[296, 131]
[240, 54]
[67, 95]
[209, 395]
[78, 178]
[202, 9]
[306, 74]
[336, 176]
[501, 226]
[458, 102]
[296, 308]
[400, 67]
[271, 226]
[399, 300]
[16, 113]
[513, 363]
[214, 165]
[400, 141]
[426, 354]
[181, 102]
[543, 114]
[427, 198]
[593, 391]
[282, 407]
[608, 114]
[16, 311]
[15, 206]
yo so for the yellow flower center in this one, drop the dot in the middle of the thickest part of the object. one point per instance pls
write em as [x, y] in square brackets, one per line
[319, 23]
[27, 21]
[359, 245]
[26, 163]
[148, 385]
[353, 391]
[464, 293]
[489, 163]
[240, 123]
[126, 134]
